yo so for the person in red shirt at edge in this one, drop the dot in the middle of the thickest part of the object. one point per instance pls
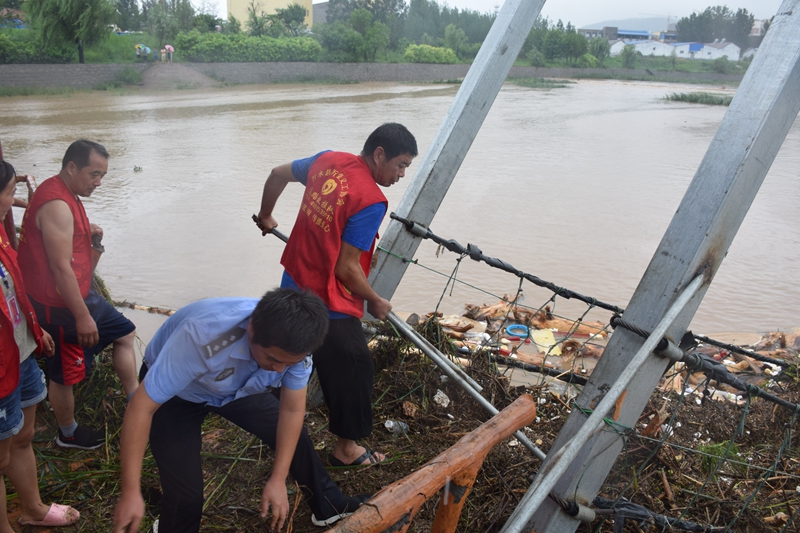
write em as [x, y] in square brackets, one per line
[58, 252]
[21, 383]
[330, 253]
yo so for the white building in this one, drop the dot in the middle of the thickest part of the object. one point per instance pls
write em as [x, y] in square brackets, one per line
[654, 48]
[716, 50]
[688, 50]
[709, 51]
[617, 46]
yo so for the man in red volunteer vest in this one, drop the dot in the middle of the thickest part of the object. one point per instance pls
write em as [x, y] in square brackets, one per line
[330, 253]
[58, 252]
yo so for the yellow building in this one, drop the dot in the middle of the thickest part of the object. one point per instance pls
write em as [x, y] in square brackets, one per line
[240, 8]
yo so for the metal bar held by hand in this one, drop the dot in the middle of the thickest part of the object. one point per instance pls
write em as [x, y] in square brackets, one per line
[452, 370]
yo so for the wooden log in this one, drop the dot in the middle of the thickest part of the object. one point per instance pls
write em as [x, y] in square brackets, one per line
[454, 495]
[395, 506]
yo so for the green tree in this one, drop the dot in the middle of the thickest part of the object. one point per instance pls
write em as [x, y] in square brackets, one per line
[340, 42]
[376, 39]
[628, 56]
[535, 57]
[182, 13]
[600, 49]
[339, 10]
[455, 39]
[740, 28]
[721, 65]
[162, 24]
[535, 36]
[553, 44]
[361, 20]
[128, 16]
[375, 35]
[233, 26]
[717, 22]
[587, 60]
[81, 22]
[205, 22]
[574, 45]
[293, 17]
[257, 22]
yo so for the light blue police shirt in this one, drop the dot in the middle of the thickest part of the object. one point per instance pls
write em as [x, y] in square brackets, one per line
[201, 354]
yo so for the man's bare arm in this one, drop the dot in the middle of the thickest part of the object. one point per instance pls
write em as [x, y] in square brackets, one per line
[55, 221]
[133, 441]
[276, 182]
[348, 271]
[290, 423]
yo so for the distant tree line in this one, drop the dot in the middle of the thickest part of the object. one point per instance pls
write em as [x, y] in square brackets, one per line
[717, 22]
[557, 43]
[354, 31]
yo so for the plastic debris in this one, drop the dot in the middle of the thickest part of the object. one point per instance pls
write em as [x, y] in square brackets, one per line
[441, 399]
[396, 427]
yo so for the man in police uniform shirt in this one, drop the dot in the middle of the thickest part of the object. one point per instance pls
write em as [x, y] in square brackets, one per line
[222, 355]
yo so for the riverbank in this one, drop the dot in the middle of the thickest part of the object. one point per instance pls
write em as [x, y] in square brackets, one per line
[237, 465]
[77, 76]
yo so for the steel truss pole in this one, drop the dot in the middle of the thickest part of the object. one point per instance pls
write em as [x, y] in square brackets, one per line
[454, 138]
[716, 202]
[558, 462]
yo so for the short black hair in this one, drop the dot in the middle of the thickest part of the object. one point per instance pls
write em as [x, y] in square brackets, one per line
[7, 173]
[79, 152]
[294, 321]
[394, 138]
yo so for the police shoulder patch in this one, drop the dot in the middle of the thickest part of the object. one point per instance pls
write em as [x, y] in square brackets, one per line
[223, 341]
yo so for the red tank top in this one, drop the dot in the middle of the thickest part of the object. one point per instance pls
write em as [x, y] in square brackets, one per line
[339, 185]
[33, 261]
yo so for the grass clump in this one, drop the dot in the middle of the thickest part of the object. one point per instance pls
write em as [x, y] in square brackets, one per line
[323, 80]
[126, 76]
[540, 83]
[700, 98]
[714, 456]
[34, 91]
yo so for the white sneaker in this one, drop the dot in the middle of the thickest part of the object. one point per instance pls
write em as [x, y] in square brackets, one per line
[155, 526]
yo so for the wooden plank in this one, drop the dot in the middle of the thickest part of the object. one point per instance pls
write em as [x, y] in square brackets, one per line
[695, 243]
[454, 138]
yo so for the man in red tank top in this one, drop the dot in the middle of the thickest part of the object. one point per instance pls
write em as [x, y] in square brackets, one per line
[330, 253]
[58, 252]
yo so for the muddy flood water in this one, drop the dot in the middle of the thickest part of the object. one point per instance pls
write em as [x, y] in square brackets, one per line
[574, 185]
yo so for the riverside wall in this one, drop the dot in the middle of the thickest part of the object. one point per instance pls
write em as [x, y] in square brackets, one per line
[87, 76]
[75, 76]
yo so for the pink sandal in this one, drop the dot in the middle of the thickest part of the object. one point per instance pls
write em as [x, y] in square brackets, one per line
[58, 515]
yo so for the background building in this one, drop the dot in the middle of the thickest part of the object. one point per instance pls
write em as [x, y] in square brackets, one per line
[240, 8]
[320, 14]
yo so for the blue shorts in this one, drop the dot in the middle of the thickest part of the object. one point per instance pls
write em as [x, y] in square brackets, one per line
[30, 391]
[71, 362]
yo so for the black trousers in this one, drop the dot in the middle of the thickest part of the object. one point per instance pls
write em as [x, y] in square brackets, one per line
[346, 373]
[175, 441]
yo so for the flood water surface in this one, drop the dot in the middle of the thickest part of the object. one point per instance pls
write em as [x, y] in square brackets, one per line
[574, 185]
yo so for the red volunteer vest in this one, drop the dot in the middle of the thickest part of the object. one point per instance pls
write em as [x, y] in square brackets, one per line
[339, 185]
[9, 351]
[33, 261]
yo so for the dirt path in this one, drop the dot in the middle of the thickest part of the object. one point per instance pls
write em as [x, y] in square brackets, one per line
[164, 76]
